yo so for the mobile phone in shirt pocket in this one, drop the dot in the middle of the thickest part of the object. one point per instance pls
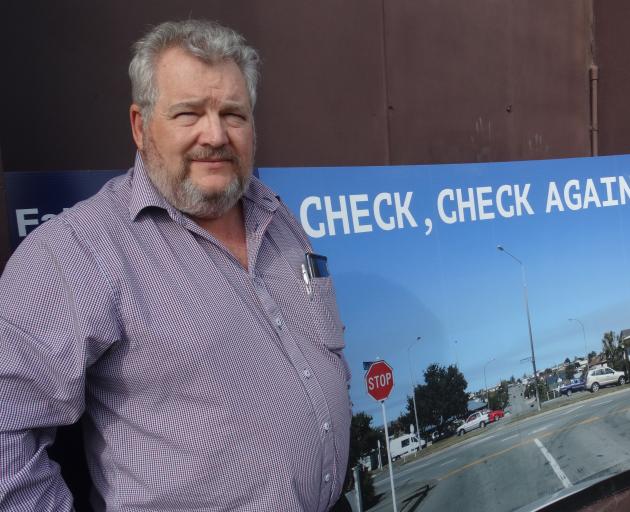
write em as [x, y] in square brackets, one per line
[326, 314]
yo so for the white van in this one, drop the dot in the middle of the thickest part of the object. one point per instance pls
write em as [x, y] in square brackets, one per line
[404, 445]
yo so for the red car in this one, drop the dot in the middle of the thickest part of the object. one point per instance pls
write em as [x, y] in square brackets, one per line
[495, 415]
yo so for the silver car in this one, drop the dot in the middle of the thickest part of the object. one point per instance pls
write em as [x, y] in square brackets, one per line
[476, 420]
[600, 377]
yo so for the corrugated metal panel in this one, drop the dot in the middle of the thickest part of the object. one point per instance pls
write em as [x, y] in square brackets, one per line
[487, 80]
[612, 19]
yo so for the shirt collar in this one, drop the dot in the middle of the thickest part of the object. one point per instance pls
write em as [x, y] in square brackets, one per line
[261, 195]
[145, 195]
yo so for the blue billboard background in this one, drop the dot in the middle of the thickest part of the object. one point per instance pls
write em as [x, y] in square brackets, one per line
[413, 250]
[33, 197]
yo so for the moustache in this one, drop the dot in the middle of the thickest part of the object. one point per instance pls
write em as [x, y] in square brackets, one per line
[222, 153]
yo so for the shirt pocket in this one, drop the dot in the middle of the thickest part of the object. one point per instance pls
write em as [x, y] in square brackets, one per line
[323, 303]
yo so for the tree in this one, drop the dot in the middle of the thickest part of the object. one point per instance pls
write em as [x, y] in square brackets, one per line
[363, 440]
[499, 399]
[569, 371]
[442, 397]
[591, 355]
[567, 360]
[613, 350]
[543, 390]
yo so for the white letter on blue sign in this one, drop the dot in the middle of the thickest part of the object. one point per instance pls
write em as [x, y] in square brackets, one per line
[390, 224]
[341, 214]
[22, 221]
[310, 231]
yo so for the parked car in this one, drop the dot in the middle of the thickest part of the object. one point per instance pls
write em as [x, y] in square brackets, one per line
[476, 420]
[445, 430]
[405, 445]
[495, 415]
[600, 377]
[573, 386]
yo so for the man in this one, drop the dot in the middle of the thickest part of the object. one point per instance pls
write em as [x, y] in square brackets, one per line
[174, 312]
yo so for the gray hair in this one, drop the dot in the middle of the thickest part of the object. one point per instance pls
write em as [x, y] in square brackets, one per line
[206, 40]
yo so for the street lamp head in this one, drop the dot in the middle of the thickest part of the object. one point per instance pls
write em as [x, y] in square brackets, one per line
[500, 248]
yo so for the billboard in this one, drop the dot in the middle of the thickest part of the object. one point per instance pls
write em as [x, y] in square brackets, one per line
[471, 269]
[414, 253]
[413, 250]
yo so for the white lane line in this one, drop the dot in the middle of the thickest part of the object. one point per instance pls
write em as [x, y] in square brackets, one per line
[482, 440]
[539, 429]
[554, 465]
[571, 410]
[511, 437]
[602, 403]
[447, 462]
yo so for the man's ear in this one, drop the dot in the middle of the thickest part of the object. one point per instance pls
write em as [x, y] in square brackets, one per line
[137, 125]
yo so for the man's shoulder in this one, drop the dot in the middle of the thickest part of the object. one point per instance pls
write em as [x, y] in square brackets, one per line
[112, 200]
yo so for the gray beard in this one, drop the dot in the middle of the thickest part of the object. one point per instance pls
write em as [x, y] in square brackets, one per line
[197, 203]
[178, 189]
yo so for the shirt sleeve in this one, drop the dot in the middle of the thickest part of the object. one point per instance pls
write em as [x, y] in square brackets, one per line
[57, 317]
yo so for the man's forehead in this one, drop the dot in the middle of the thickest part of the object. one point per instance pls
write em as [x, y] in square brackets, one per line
[186, 75]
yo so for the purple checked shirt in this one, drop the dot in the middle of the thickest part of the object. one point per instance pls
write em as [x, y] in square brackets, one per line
[204, 386]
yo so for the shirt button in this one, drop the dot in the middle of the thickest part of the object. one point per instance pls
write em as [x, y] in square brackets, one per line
[326, 427]
[307, 373]
[279, 322]
[327, 477]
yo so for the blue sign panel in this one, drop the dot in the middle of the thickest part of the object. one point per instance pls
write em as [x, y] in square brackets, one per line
[35, 197]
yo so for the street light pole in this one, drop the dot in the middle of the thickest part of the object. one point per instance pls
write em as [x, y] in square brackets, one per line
[583, 334]
[485, 384]
[529, 322]
[413, 389]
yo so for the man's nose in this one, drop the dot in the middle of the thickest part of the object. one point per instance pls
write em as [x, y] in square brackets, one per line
[213, 131]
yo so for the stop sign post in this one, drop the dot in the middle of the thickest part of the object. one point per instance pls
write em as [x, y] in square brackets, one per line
[379, 381]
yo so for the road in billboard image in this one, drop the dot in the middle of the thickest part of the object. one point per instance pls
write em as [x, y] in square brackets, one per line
[464, 278]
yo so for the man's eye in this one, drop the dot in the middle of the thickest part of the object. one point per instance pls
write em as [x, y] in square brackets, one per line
[185, 115]
[235, 116]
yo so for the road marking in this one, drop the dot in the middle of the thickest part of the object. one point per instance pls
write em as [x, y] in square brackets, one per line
[475, 442]
[448, 462]
[602, 403]
[554, 465]
[479, 461]
[511, 437]
[571, 410]
[510, 448]
[539, 430]
[589, 420]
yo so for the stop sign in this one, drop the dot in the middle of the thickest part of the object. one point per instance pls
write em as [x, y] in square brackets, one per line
[379, 380]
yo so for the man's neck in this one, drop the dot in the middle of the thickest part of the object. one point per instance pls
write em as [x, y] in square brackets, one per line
[229, 229]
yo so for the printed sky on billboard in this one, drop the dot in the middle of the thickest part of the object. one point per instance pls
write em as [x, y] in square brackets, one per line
[413, 251]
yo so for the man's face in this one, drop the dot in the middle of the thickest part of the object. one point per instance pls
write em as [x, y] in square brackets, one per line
[198, 144]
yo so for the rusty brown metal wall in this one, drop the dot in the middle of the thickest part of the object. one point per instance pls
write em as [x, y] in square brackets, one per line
[488, 80]
[321, 99]
[612, 36]
[345, 82]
